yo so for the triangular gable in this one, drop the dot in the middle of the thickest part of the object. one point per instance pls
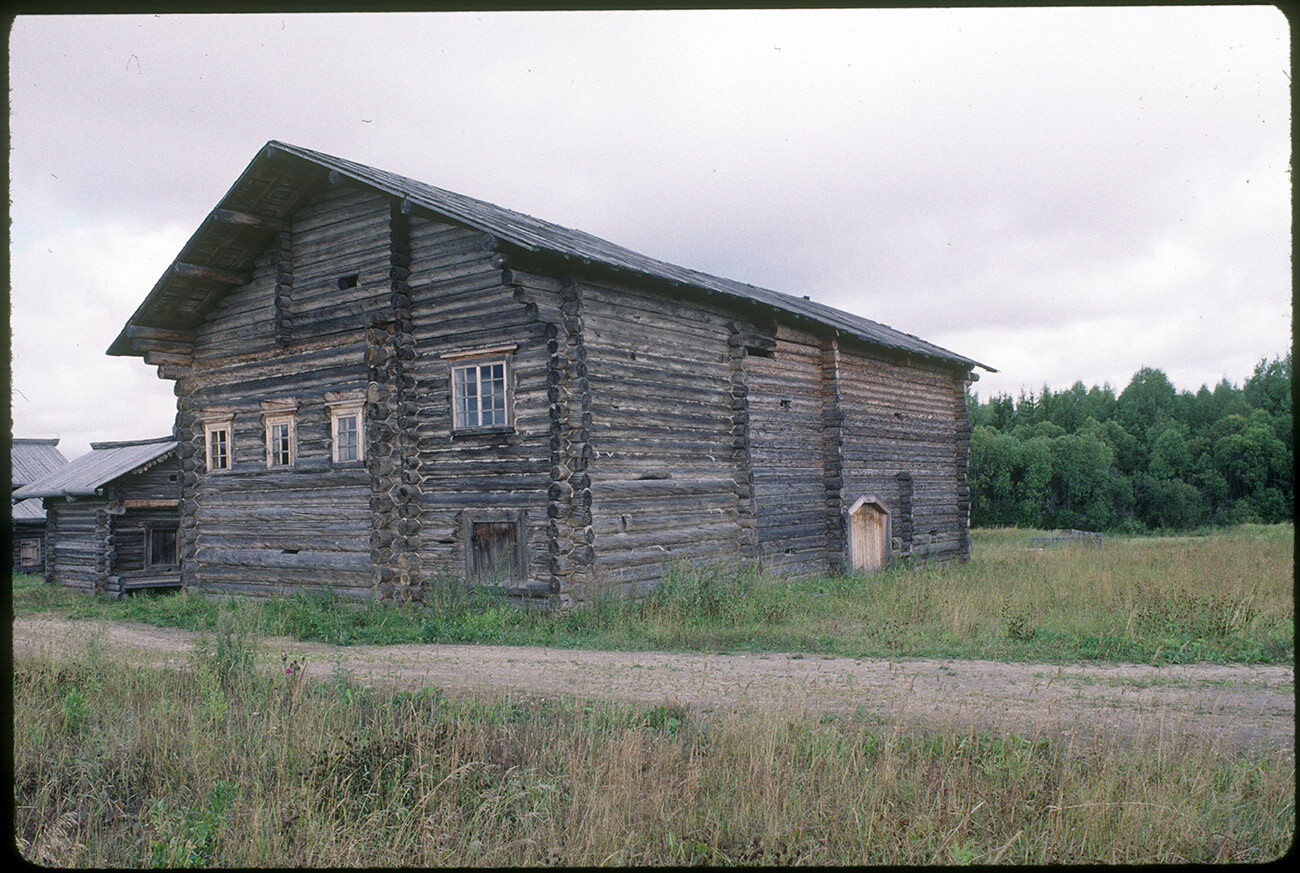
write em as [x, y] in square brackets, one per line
[220, 254]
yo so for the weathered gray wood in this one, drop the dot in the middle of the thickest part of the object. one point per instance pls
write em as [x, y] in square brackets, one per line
[198, 271]
[261, 222]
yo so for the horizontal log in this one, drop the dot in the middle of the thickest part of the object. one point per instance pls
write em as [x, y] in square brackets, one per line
[261, 222]
[198, 271]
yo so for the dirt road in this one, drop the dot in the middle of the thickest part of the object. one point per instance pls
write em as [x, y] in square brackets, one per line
[1235, 704]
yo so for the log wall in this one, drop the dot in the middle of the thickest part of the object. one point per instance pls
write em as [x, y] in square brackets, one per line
[787, 457]
[462, 301]
[74, 556]
[297, 330]
[663, 471]
[904, 437]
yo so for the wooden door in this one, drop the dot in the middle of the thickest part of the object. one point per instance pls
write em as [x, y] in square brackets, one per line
[868, 535]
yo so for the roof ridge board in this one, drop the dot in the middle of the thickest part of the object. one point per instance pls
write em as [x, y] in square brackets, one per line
[119, 444]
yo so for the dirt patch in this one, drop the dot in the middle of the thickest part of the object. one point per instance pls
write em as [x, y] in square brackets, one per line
[1237, 704]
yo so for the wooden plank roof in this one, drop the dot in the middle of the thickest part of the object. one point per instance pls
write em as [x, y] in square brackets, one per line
[30, 459]
[107, 461]
[283, 175]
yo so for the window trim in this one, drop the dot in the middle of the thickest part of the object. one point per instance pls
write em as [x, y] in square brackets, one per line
[219, 419]
[489, 358]
[274, 414]
[344, 404]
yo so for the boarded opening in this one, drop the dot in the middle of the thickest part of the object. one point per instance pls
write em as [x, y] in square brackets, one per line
[161, 546]
[29, 552]
[495, 554]
[868, 535]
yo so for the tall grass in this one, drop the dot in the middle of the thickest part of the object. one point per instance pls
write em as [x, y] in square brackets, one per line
[1220, 595]
[227, 763]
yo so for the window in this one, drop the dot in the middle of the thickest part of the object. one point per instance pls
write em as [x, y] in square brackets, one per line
[478, 394]
[218, 426]
[347, 425]
[29, 552]
[279, 443]
[280, 419]
[160, 546]
[218, 448]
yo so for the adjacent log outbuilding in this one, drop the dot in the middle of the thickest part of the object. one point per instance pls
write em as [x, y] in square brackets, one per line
[30, 459]
[111, 517]
[380, 382]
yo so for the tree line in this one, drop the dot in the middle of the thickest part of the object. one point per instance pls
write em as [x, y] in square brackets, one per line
[1151, 458]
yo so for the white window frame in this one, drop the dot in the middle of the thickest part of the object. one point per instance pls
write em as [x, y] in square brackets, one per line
[215, 420]
[343, 405]
[459, 422]
[276, 413]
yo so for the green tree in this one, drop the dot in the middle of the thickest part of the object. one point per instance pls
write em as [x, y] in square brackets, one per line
[1081, 472]
[1148, 399]
[1169, 456]
[1270, 386]
[1167, 503]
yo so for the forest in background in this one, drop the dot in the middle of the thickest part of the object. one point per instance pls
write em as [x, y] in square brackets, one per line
[1151, 458]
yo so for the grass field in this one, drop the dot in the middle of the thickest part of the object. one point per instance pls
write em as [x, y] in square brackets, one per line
[227, 763]
[223, 764]
[1220, 595]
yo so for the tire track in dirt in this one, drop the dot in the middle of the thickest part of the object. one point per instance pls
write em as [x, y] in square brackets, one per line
[1237, 704]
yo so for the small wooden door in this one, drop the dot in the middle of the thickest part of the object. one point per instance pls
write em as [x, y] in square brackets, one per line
[868, 535]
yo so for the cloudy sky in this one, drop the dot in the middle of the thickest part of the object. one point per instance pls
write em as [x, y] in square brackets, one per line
[1065, 194]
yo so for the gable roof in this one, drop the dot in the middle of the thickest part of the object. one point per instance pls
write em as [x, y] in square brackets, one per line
[281, 176]
[30, 459]
[106, 462]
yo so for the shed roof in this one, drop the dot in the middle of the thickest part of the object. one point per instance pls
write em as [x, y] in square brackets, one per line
[282, 176]
[30, 459]
[106, 462]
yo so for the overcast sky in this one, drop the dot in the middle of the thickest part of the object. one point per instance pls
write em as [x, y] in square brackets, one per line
[1064, 194]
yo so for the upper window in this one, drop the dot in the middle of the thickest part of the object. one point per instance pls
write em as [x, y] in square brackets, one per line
[218, 447]
[478, 394]
[347, 425]
[280, 419]
[218, 425]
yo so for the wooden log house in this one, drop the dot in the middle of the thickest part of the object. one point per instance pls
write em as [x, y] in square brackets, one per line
[112, 517]
[30, 459]
[381, 382]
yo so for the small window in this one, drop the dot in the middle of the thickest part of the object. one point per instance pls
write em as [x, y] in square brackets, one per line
[29, 552]
[347, 425]
[347, 446]
[479, 396]
[218, 440]
[160, 546]
[218, 428]
[280, 443]
[348, 429]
